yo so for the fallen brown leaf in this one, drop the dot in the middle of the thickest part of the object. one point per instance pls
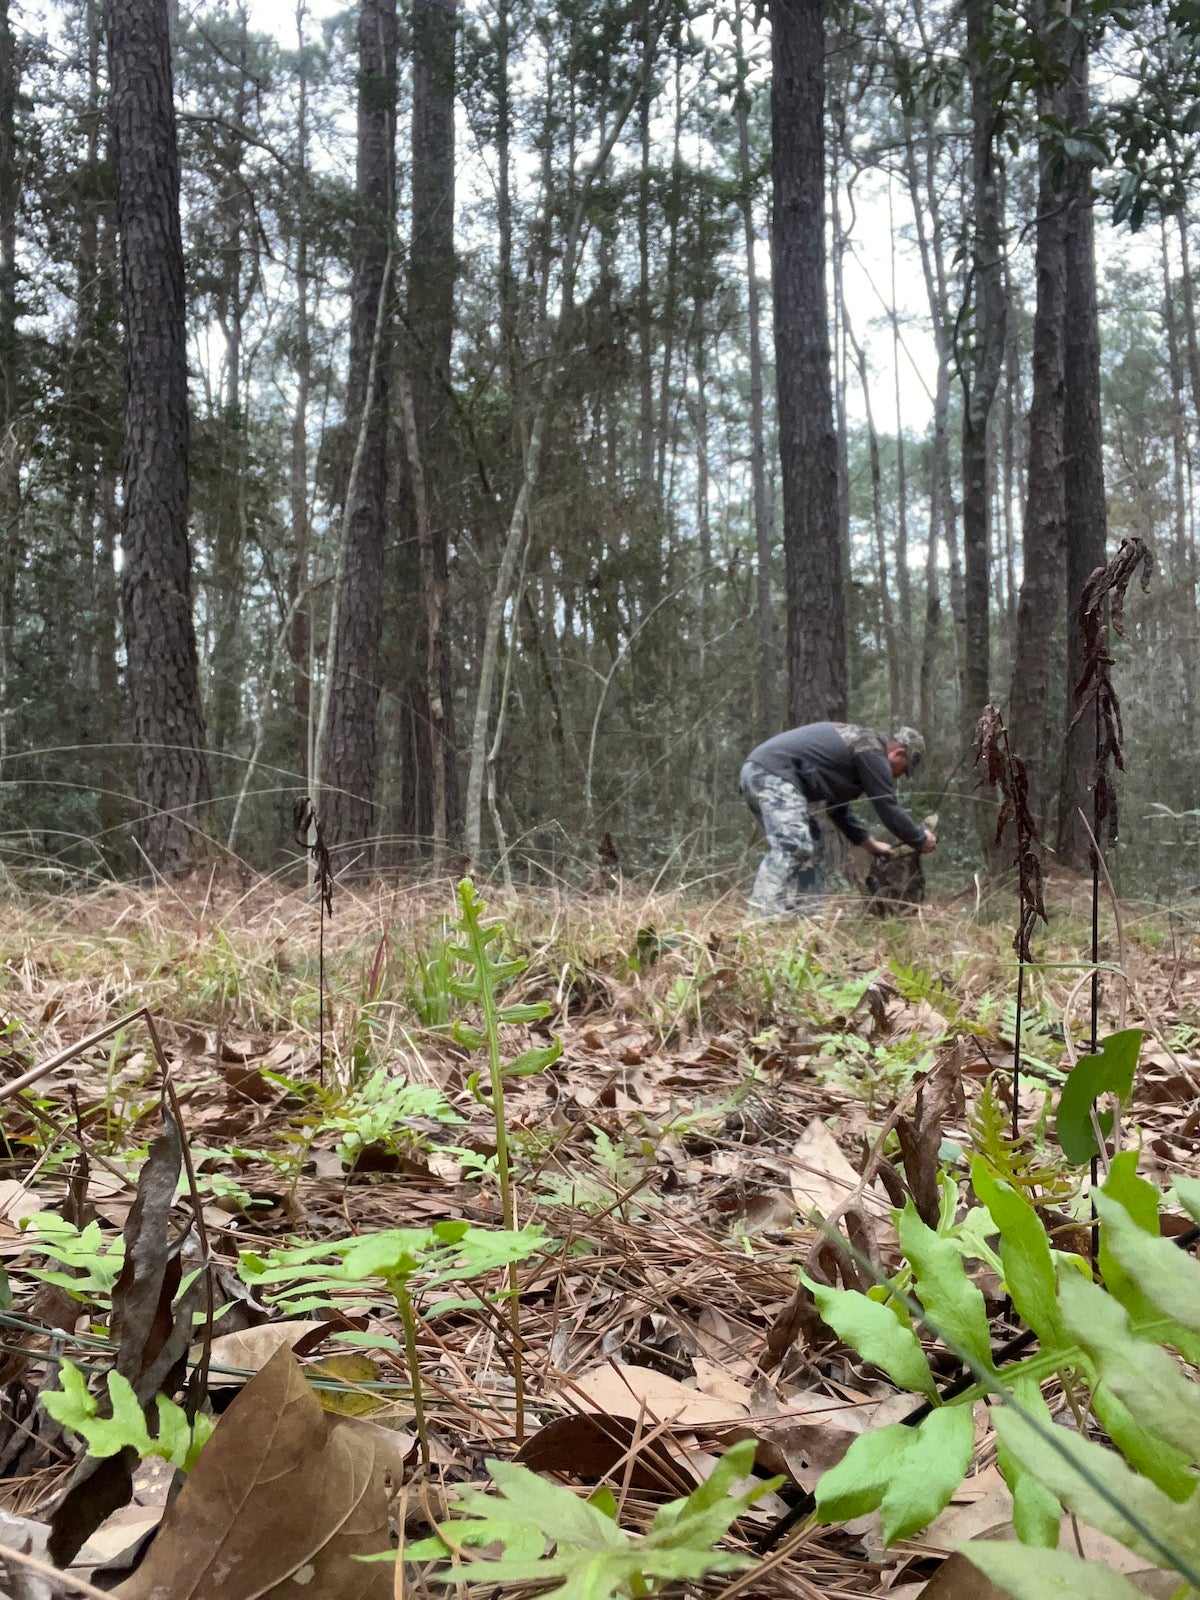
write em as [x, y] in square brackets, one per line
[280, 1503]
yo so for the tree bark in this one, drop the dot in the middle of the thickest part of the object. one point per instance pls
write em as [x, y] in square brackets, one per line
[808, 449]
[1184, 556]
[431, 280]
[300, 633]
[981, 372]
[1086, 511]
[349, 747]
[764, 605]
[10, 449]
[160, 642]
[1044, 534]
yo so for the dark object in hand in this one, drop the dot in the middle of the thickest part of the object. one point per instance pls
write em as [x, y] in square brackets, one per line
[895, 883]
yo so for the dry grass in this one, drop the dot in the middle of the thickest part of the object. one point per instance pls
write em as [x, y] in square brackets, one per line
[698, 1048]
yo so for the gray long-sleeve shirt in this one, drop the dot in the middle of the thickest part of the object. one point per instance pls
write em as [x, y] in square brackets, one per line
[835, 763]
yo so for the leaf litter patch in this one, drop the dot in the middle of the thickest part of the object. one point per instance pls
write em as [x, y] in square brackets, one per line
[732, 1107]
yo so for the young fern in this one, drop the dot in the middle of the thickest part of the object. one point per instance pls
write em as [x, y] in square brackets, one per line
[483, 984]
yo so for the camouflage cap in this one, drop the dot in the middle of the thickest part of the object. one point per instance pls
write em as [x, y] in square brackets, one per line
[913, 745]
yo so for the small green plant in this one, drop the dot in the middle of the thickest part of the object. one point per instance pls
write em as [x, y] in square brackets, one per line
[429, 991]
[483, 987]
[76, 1408]
[305, 1278]
[92, 1260]
[381, 1110]
[1107, 1346]
[1025, 1162]
[550, 1536]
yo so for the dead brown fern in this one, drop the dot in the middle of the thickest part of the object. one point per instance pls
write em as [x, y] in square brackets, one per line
[1004, 770]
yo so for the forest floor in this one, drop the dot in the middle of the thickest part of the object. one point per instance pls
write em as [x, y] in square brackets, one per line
[722, 1085]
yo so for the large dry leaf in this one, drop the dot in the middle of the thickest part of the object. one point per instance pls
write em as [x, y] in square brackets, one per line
[589, 1445]
[281, 1501]
[249, 1350]
[623, 1391]
[822, 1178]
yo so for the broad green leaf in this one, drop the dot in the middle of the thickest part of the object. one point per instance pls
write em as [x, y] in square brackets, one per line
[553, 1510]
[1141, 1375]
[1161, 1275]
[1109, 1072]
[523, 1541]
[1139, 1197]
[1036, 1513]
[1188, 1192]
[955, 1308]
[1025, 1253]
[874, 1332]
[1046, 1574]
[861, 1478]
[931, 1469]
[531, 1061]
[532, 1012]
[1145, 1452]
[1097, 1485]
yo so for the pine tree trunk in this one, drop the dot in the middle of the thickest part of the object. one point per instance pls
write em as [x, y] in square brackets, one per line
[764, 605]
[300, 633]
[981, 375]
[10, 451]
[1183, 562]
[1086, 516]
[1033, 715]
[808, 449]
[349, 745]
[431, 280]
[160, 642]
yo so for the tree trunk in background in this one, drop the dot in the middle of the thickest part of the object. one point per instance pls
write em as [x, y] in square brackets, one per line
[808, 449]
[903, 580]
[10, 451]
[1189, 309]
[300, 632]
[227, 666]
[349, 753]
[160, 642]
[981, 373]
[841, 364]
[765, 675]
[431, 281]
[1184, 558]
[1086, 513]
[925, 199]
[645, 322]
[886, 609]
[1033, 714]
[96, 320]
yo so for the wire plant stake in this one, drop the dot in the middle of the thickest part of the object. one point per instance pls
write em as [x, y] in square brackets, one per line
[1102, 602]
[304, 822]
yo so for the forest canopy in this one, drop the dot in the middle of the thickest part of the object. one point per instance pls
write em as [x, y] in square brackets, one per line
[506, 428]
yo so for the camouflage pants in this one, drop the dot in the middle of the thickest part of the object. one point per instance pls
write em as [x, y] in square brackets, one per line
[787, 880]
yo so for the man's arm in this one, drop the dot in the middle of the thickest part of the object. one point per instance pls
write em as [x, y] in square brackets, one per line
[849, 823]
[880, 789]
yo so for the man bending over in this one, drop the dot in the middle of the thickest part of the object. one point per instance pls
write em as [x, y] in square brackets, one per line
[830, 764]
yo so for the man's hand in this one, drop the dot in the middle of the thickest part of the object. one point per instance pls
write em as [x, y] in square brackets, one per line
[930, 842]
[877, 847]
